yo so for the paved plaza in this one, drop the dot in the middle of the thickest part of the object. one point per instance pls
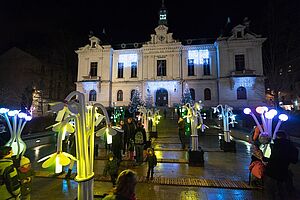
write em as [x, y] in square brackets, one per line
[228, 169]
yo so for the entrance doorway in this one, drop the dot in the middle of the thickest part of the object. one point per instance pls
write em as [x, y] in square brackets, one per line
[161, 97]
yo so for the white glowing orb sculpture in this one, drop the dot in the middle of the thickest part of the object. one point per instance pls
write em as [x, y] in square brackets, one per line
[265, 127]
[16, 122]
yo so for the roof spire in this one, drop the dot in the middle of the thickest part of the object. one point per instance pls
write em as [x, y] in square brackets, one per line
[163, 14]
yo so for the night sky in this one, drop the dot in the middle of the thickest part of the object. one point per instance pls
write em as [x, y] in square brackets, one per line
[29, 22]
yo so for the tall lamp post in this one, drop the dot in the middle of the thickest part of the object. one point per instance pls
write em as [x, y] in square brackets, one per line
[85, 119]
[225, 113]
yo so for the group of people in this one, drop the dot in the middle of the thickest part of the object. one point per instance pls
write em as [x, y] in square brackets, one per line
[132, 142]
[273, 172]
[15, 177]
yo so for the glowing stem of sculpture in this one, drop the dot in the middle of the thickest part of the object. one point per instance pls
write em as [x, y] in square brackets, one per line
[276, 129]
[257, 123]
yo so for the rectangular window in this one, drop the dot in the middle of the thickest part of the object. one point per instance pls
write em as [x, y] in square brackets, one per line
[133, 69]
[206, 66]
[240, 62]
[93, 69]
[191, 69]
[120, 70]
[161, 67]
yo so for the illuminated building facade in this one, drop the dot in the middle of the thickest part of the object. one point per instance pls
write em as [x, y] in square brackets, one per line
[226, 71]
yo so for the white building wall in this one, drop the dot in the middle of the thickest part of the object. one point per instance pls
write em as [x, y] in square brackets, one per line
[221, 82]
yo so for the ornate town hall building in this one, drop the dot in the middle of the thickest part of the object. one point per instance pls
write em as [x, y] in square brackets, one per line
[226, 71]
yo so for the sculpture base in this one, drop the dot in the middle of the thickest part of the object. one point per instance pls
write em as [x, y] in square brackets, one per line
[196, 158]
[227, 146]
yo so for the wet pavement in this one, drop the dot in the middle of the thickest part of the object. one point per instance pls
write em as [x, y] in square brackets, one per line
[173, 163]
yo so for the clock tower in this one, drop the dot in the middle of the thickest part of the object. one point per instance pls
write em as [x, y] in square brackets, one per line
[163, 15]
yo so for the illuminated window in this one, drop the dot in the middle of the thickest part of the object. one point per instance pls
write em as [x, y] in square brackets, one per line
[132, 93]
[207, 94]
[241, 93]
[161, 68]
[198, 55]
[192, 91]
[133, 70]
[127, 59]
[191, 70]
[92, 95]
[120, 70]
[206, 66]
[239, 62]
[120, 95]
[93, 69]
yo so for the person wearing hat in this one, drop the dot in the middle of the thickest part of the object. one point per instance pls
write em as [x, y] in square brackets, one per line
[9, 181]
[111, 167]
[26, 174]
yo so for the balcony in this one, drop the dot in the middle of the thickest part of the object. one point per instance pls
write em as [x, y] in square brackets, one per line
[245, 72]
[91, 78]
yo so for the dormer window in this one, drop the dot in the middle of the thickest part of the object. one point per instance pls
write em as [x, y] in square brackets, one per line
[239, 34]
[93, 44]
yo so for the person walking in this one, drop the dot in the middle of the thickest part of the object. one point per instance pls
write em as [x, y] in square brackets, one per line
[181, 131]
[26, 174]
[139, 142]
[111, 168]
[72, 150]
[152, 162]
[129, 131]
[277, 175]
[125, 188]
[9, 182]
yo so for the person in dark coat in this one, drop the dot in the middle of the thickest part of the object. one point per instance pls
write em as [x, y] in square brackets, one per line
[125, 189]
[139, 142]
[181, 131]
[111, 168]
[152, 162]
[129, 131]
[72, 150]
[277, 175]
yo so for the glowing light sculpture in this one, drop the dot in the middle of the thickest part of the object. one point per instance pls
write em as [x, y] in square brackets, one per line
[228, 118]
[16, 122]
[266, 131]
[85, 119]
[195, 118]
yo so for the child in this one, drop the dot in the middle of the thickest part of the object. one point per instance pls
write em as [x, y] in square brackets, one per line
[26, 174]
[152, 162]
[111, 168]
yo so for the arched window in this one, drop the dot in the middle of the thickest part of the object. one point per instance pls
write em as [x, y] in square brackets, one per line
[132, 93]
[241, 93]
[207, 94]
[92, 95]
[192, 91]
[120, 95]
